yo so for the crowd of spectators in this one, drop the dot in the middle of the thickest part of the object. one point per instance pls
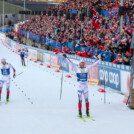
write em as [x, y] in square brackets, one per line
[92, 24]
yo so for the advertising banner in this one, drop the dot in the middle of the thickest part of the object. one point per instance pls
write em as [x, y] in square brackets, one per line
[30, 53]
[53, 60]
[93, 72]
[34, 55]
[39, 56]
[46, 58]
[112, 77]
[125, 80]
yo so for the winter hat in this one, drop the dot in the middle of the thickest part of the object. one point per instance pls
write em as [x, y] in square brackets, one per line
[82, 60]
[3, 60]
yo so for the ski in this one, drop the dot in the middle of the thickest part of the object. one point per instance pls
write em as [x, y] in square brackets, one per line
[90, 118]
[6, 102]
[81, 118]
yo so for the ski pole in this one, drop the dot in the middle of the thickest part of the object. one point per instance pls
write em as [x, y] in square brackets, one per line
[61, 80]
[104, 86]
[18, 74]
[104, 81]
[128, 100]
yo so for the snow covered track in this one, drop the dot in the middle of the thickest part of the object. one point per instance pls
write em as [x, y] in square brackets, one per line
[35, 106]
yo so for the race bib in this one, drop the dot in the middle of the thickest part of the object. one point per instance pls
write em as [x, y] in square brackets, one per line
[5, 71]
[22, 53]
[82, 77]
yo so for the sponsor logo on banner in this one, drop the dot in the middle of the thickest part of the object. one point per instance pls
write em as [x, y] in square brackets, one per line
[46, 58]
[39, 56]
[127, 68]
[53, 60]
[110, 64]
[30, 53]
[93, 72]
[112, 77]
[34, 55]
[122, 66]
[125, 80]
[93, 82]
[114, 65]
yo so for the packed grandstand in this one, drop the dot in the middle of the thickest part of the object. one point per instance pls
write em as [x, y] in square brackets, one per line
[85, 28]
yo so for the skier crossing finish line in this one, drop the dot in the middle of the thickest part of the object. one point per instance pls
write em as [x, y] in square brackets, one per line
[5, 72]
[82, 74]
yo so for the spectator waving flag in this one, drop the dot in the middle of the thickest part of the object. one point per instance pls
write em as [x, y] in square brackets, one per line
[95, 20]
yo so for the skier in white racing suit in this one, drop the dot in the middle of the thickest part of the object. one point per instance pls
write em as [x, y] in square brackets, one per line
[82, 74]
[5, 72]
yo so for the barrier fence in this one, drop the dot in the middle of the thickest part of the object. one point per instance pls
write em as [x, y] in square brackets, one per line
[55, 44]
[7, 30]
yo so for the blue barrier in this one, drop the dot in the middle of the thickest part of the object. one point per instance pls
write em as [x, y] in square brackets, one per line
[7, 30]
[112, 77]
[56, 44]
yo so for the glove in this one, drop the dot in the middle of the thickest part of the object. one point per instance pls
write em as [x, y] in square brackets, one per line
[14, 76]
[64, 55]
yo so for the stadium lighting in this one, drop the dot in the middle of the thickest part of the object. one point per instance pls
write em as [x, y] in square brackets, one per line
[24, 8]
[121, 18]
[3, 14]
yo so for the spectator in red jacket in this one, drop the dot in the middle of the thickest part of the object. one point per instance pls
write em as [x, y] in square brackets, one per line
[57, 50]
[63, 49]
[118, 59]
[83, 53]
[66, 49]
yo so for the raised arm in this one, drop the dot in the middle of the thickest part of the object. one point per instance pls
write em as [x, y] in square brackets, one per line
[92, 65]
[71, 63]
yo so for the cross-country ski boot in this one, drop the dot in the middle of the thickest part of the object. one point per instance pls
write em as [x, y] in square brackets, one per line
[7, 100]
[80, 114]
[87, 113]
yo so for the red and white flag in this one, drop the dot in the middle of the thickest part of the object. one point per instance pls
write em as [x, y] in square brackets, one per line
[95, 20]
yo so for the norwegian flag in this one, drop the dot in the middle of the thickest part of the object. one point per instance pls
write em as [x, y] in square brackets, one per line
[129, 31]
[95, 20]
